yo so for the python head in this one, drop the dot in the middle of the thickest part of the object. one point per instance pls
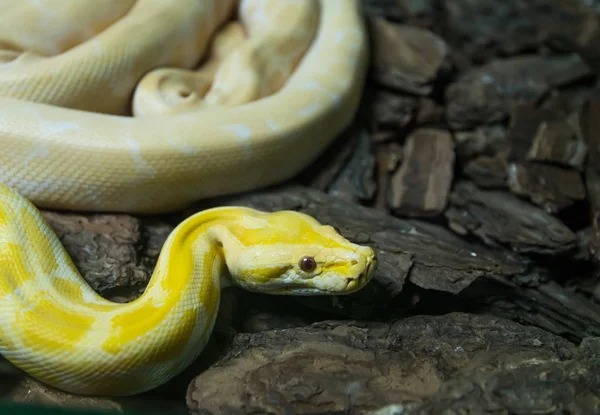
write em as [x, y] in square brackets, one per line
[288, 252]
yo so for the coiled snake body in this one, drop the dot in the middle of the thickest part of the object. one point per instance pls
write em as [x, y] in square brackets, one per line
[65, 143]
[271, 95]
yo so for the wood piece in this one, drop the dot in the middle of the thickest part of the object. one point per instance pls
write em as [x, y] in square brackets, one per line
[570, 99]
[584, 38]
[500, 218]
[482, 155]
[392, 111]
[487, 140]
[421, 185]
[324, 171]
[430, 113]
[406, 58]
[488, 172]
[311, 369]
[551, 187]
[482, 30]
[544, 135]
[486, 94]
[355, 181]
[561, 310]
[389, 157]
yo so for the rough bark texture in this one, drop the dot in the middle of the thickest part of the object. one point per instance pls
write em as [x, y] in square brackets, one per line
[421, 362]
[550, 387]
[482, 30]
[538, 134]
[486, 94]
[487, 171]
[421, 185]
[392, 111]
[105, 249]
[554, 188]
[501, 218]
[406, 58]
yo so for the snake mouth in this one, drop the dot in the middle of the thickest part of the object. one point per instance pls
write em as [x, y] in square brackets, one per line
[355, 284]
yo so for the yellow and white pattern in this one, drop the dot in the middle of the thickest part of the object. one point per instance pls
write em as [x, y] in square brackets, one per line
[276, 90]
[56, 328]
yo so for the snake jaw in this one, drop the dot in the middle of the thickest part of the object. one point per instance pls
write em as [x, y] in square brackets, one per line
[356, 272]
[355, 284]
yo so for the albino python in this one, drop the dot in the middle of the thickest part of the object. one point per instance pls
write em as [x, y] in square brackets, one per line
[56, 328]
[147, 106]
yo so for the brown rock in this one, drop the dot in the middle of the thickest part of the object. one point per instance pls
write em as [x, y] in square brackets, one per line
[422, 183]
[352, 367]
[486, 94]
[501, 218]
[406, 58]
[551, 187]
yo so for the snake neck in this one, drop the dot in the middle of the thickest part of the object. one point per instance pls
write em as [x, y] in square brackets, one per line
[189, 275]
[48, 306]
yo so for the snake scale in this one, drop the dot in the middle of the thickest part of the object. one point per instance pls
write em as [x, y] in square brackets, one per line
[145, 107]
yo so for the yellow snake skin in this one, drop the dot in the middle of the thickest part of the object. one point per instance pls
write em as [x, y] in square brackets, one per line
[57, 329]
[146, 106]
[278, 85]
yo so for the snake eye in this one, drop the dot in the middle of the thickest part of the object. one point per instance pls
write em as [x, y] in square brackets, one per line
[308, 264]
